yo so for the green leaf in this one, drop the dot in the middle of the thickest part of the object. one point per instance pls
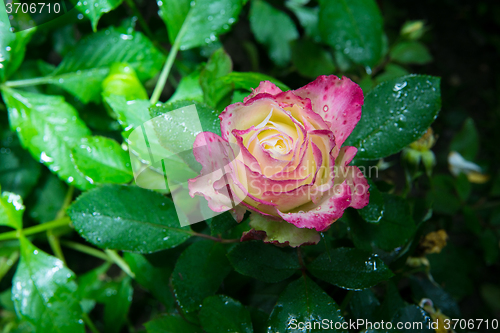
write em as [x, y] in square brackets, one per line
[94, 9]
[19, 172]
[49, 128]
[122, 80]
[393, 231]
[423, 288]
[220, 314]
[466, 141]
[274, 29]
[395, 113]
[102, 160]
[90, 286]
[374, 211]
[218, 65]
[198, 273]
[12, 46]
[171, 323]
[11, 210]
[127, 218]
[83, 70]
[250, 80]
[410, 53]
[151, 277]
[310, 59]
[303, 302]
[131, 114]
[209, 119]
[116, 305]
[44, 292]
[262, 261]
[392, 302]
[188, 89]
[283, 232]
[205, 19]
[413, 317]
[49, 198]
[353, 27]
[364, 304]
[350, 268]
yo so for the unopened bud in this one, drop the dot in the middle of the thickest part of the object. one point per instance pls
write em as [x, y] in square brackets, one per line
[413, 30]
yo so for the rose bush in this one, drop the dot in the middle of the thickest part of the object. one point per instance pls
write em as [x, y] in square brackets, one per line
[283, 157]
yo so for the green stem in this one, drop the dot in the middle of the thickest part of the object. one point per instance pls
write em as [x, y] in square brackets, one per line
[220, 240]
[28, 82]
[120, 262]
[162, 80]
[89, 323]
[86, 249]
[35, 229]
[67, 201]
[55, 245]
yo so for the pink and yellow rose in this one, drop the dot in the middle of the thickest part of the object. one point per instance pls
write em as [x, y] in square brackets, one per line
[283, 159]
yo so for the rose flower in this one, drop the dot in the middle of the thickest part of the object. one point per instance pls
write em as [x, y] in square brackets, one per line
[282, 157]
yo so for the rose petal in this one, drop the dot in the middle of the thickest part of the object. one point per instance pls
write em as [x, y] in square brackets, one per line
[359, 187]
[338, 101]
[265, 87]
[212, 153]
[322, 215]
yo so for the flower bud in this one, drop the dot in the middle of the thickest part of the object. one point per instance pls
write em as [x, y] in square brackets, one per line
[413, 30]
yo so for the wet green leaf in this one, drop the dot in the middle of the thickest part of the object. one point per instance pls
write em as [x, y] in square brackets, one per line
[122, 80]
[221, 314]
[131, 114]
[374, 211]
[83, 70]
[413, 318]
[392, 232]
[198, 273]
[49, 128]
[423, 288]
[117, 301]
[218, 65]
[274, 29]
[12, 46]
[204, 19]
[94, 9]
[262, 261]
[189, 89]
[353, 27]
[11, 210]
[350, 268]
[396, 113]
[250, 80]
[102, 160]
[127, 218]
[44, 292]
[303, 301]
